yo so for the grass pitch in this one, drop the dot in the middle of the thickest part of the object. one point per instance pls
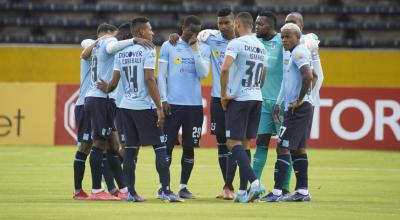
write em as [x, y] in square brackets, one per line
[37, 183]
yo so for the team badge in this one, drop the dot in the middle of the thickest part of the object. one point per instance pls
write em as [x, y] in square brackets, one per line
[177, 60]
[298, 56]
[273, 45]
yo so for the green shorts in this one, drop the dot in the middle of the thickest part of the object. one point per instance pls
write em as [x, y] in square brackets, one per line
[267, 124]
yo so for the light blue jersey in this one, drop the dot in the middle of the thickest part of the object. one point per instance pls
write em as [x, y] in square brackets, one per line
[84, 81]
[183, 72]
[217, 45]
[246, 72]
[292, 82]
[131, 63]
[101, 68]
[119, 93]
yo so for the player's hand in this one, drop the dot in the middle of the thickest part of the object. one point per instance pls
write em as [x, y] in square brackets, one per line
[160, 117]
[295, 105]
[192, 40]
[224, 101]
[144, 43]
[102, 86]
[276, 114]
[166, 108]
[204, 34]
[173, 38]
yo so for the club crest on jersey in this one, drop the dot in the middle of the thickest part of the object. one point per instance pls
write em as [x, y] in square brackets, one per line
[298, 56]
[273, 45]
[177, 60]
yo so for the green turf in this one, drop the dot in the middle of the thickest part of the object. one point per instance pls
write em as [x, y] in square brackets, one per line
[37, 183]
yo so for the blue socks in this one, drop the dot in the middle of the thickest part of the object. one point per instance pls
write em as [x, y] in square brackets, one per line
[300, 166]
[245, 171]
[129, 167]
[79, 169]
[96, 158]
[187, 163]
[281, 167]
[162, 167]
[115, 165]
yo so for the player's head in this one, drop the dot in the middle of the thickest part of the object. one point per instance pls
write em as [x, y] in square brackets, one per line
[243, 23]
[295, 18]
[124, 31]
[141, 27]
[290, 34]
[265, 24]
[226, 22]
[108, 29]
[191, 27]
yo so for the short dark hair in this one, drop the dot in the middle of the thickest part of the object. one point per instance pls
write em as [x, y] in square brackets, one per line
[269, 15]
[191, 19]
[124, 31]
[104, 28]
[245, 18]
[224, 12]
[137, 23]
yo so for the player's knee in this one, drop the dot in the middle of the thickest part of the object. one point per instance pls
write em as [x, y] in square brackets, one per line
[221, 139]
[188, 152]
[263, 140]
[282, 151]
[101, 144]
[301, 151]
[231, 143]
[85, 147]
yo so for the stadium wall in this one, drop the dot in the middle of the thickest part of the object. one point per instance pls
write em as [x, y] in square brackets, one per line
[360, 106]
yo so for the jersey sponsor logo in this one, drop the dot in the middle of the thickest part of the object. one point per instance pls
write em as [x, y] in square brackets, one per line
[254, 49]
[216, 53]
[273, 45]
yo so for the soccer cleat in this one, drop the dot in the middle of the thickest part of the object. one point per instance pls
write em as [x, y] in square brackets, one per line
[170, 197]
[241, 198]
[228, 194]
[255, 192]
[134, 198]
[271, 198]
[298, 197]
[285, 192]
[102, 196]
[185, 194]
[123, 195]
[114, 192]
[81, 195]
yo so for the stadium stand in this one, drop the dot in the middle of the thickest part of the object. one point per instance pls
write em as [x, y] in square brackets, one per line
[350, 23]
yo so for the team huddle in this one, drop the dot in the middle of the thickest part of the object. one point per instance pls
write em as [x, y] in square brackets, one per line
[263, 84]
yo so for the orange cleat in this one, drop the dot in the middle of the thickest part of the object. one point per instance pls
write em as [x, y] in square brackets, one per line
[102, 196]
[81, 195]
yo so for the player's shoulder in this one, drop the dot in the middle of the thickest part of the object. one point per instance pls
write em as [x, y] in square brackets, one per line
[166, 45]
[301, 51]
[107, 40]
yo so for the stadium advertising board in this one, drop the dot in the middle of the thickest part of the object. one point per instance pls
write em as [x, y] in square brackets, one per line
[365, 118]
[27, 113]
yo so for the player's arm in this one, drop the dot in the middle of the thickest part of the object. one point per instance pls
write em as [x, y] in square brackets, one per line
[264, 74]
[88, 46]
[201, 59]
[154, 94]
[116, 46]
[226, 65]
[162, 77]
[110, 86]
[205, 34]
[307, 75]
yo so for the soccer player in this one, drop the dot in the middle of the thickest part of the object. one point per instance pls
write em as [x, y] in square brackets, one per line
[99, 108]
[265, 32]
[140, 108]
[217, 41]
[181, 68]
[83, 132]
[242, 76]
[293, 135]
[311, 42]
